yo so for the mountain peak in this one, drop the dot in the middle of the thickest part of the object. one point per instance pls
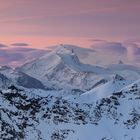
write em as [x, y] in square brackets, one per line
[62, 53]
[64, 49]
[120, 62]
[67, 55]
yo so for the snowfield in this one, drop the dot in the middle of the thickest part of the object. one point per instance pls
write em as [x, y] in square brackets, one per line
[30, 116]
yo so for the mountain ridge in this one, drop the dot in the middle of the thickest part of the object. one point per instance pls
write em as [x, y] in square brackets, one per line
[62, 119]
[62, 62]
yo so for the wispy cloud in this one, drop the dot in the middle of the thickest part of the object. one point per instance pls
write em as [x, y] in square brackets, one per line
[19, 55]
[133, 52]
[115, 47]
[3, 45]
[20, 44]
[128, 51]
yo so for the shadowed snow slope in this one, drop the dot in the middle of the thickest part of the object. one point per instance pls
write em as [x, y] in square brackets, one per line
[9, 76]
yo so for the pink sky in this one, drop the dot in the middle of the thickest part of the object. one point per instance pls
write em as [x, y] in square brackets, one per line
[42, 23]
[69, 21]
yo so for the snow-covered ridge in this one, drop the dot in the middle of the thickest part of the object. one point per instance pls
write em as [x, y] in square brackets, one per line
[63, 54]
[62, 69]
[24, 115]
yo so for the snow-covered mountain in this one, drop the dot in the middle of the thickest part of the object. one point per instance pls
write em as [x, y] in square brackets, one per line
[30, 116]
[62, 68]
[58, 97]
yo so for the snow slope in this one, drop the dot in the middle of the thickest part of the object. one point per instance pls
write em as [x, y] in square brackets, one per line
[102, 91]
[30, 116]
[10, 76]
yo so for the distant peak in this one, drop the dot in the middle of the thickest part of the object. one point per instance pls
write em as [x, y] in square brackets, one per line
[67, 54]
[64, 49]
[5, 68]
[120, 62]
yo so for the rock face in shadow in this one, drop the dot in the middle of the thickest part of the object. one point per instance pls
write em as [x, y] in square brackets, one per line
[4, 81]
[28, 81]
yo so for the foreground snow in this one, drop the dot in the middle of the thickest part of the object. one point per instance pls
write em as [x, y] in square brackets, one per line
[29, 116]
